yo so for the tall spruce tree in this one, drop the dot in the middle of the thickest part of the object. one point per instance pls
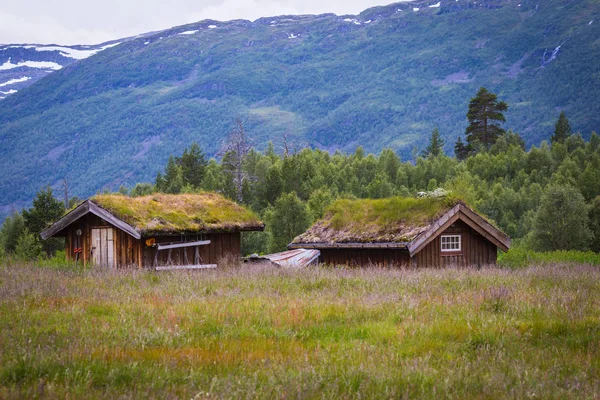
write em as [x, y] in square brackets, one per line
[485, 112]
[562, 129]
[193, 165]
[436, 145]
[172, 181]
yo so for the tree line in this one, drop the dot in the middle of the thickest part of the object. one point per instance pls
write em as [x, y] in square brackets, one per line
[545, 198]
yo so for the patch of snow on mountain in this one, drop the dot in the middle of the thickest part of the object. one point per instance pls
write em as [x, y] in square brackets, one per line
[108, 46]
[212, 26]
[31, 64]
[436, 5]
[187, 32]
[67, 52]
[292, 36]
[11, 91]
[589, 23]
[72, 53]
[354, 21]
[13, 81]
[368, 22]
[415, 8]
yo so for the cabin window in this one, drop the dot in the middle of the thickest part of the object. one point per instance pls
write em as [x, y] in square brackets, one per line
[451, 243]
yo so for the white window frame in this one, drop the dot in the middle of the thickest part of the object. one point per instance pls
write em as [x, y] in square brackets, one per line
[450, 237]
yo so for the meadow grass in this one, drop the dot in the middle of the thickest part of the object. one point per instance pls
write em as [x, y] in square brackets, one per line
[263, 332]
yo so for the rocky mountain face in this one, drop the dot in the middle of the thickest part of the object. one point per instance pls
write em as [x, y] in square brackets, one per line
[384, 78]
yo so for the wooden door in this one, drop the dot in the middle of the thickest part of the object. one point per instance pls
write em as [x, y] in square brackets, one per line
[103, 248]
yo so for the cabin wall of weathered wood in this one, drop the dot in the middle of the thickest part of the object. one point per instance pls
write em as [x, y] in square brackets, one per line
[475, 250]
[365, 257]
[221, 245]
[128, 250]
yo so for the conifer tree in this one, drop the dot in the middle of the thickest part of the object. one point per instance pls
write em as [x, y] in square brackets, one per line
[172, 181]
[193, 165]
[562, 129]
[436, 145]
[485, 112]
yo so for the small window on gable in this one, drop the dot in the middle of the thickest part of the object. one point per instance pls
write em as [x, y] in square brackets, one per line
[451, 243]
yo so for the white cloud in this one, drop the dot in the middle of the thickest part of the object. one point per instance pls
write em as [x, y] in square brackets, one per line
[70, 22]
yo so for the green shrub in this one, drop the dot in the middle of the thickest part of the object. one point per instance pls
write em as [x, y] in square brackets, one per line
[59, 261]
[28, 246]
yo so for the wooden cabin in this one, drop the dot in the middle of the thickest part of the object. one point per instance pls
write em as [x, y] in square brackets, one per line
[160, 231]
[424, 232]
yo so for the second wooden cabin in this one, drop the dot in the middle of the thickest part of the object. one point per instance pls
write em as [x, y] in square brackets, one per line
[161, 231]
[423, 232]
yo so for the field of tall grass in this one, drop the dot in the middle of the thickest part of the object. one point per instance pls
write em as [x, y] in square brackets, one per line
[262, 332]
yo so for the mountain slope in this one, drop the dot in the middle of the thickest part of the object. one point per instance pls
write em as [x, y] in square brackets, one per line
[383, 78]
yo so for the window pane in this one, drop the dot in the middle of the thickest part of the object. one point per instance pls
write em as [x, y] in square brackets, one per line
[450, 242]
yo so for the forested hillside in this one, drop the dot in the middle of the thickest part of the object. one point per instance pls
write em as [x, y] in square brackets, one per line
[382, 79]
[545, 199]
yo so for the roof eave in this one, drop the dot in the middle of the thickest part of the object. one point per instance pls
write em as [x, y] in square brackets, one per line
[81, 210]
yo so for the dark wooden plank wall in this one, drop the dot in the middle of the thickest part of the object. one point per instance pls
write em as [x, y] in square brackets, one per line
[221, 245]
[475, 250]
[365, 257]
[127, 248]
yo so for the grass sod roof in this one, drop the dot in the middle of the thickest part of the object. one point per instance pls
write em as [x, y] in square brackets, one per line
[203, 212]
[390, 220]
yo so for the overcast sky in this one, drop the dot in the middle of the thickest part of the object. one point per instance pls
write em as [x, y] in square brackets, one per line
[93, 21]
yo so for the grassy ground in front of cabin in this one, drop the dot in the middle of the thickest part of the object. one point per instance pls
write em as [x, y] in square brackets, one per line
[262, 332]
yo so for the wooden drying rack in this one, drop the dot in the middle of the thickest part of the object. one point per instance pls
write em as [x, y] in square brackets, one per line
[171, 266]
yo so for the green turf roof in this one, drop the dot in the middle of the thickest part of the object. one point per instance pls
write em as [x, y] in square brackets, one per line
[391, 220]
[203, 212]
